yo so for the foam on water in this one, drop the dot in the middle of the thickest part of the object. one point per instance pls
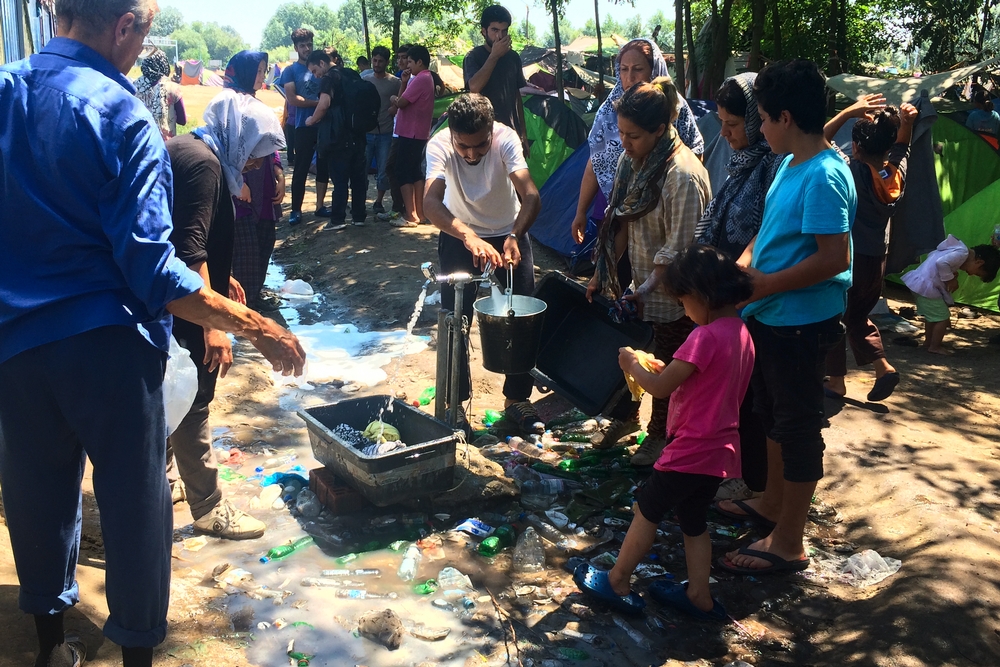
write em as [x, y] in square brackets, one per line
[342, 352]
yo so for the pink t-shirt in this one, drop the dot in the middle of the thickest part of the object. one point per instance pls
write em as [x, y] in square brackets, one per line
[704, 415]
[414, 121]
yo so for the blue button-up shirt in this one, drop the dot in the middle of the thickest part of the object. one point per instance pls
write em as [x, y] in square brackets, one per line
[85, 202]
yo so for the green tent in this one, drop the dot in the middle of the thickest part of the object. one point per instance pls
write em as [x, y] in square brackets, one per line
[554, 132]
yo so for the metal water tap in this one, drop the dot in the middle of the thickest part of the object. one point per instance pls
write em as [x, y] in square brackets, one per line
[459, 278]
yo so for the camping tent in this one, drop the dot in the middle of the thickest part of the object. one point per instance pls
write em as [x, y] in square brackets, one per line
[897, 91]
[191, 71]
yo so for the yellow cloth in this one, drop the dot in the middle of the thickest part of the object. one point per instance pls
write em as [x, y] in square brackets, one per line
[645, 360]
[381, 432]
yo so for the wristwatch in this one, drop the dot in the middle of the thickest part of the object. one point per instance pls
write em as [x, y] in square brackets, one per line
[513, 236]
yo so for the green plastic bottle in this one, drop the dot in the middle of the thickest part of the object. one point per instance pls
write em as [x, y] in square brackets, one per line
[574, 437]
[502, 537]
[426, 588]
[345, 559]
[286, 550]
[639, 438]
[427, 395]
[573, 653]
[580, 463]
[491, 417]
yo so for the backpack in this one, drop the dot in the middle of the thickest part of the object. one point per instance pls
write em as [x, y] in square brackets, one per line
[353, 114]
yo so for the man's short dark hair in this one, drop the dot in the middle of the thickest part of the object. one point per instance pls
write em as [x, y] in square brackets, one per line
[470, 113]
[382, 51]
[362, 62]
[991, 260]
[317, 57]
[301, 35]
[402, 48]
[796, 86]
[495, 14]
[419, 53]
[96, 15]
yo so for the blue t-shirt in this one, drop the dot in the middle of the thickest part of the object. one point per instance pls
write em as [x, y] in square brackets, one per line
[987, 122]
[815, 197]
[306, 85]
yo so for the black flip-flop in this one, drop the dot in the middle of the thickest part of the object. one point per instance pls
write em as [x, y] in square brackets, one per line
[750, 514]
[830, 393]
[778, 564]
[883, 387]
[594, 583]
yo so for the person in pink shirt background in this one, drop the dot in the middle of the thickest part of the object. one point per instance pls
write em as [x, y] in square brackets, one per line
[415, 111]
[706, 382]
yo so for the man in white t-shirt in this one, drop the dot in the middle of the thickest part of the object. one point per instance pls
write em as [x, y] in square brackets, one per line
[480, 195]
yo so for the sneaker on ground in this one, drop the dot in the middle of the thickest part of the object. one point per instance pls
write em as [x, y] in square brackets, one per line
[358, 223]
[619, 429]
[71, 653]
[386, 216]
[177, 493]
[323, 212]
[228, 522]
[403, 222]
[648, 451]
[735, 489]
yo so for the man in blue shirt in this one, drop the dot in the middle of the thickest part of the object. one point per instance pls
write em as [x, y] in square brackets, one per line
[302, 92]
[88, 282]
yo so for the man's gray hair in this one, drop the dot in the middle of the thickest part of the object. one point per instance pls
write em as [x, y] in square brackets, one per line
[96, 15]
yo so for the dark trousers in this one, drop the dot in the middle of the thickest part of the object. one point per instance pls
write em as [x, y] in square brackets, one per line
[394, 189]
[289, 144]
[252, 247]
[863, 336]
[305, 148]
[348, 172]
[788, 390]
[453, 256]
[97, 394]
[753, 445]
[191, 444]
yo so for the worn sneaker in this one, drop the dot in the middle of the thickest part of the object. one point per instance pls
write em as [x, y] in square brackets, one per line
[228, 522]
[648, 452]
[177, 492]
[387, 216]
[619, 429]
[735, 489]
[403, 222]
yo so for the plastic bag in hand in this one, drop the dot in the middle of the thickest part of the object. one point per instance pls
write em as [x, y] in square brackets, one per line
[180, 385]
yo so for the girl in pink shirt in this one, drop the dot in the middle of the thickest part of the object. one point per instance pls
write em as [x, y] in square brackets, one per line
[706, 381]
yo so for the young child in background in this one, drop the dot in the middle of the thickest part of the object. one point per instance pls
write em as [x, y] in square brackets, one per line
[937, 277]
[706, 382]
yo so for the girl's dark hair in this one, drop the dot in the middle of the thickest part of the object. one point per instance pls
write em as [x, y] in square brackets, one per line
[642, 47]
[981, 96]
[649, 105]
[703, 270]
[731, 98]
[875, 136]
[991, 260]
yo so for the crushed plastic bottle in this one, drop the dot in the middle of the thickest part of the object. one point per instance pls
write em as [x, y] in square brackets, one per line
[366, 572]
[550, 533]
[502, 537]
[426, 588]
[358, 594]
[286, 550]
[454, 584]
[529, 554]
[307, 504]
[411, 561]
[491, 417]
[640, 639]
[427, 395]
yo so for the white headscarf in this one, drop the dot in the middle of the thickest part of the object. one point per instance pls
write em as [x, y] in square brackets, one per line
[238, 128]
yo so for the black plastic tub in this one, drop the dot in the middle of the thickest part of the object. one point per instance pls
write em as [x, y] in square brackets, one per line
[578, 355]
[424, 468]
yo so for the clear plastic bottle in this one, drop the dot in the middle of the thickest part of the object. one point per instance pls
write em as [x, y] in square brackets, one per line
[550, 533]
[529, 554]
[307, 504]
[411, 561]
[541, 493]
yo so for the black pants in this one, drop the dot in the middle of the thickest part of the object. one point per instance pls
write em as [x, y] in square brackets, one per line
[289, 144]
[305, 148]
[394, 189]
[348, 171]
[453, 256]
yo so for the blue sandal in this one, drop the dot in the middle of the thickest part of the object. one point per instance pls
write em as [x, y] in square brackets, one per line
[674, 595]
[595, 584]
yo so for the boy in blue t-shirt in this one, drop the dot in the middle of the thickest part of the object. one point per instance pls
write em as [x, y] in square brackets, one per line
[801, 265]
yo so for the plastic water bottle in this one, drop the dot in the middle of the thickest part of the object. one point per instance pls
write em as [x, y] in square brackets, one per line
[286, 550]
[550, 533]
[411, 560]
[427, 395]
[491, 417]
[453, 583]
[529, 554]
[307, 504]
[502, 538]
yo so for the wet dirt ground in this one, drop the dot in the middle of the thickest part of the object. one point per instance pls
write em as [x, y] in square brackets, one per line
[914, 478]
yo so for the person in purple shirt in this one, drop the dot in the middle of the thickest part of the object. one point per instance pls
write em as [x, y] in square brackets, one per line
[88, 284]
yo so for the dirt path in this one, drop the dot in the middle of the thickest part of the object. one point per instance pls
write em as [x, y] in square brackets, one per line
[914, 478]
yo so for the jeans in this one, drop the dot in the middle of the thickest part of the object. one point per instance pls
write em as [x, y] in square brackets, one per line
[305, 148]
[788, 390]
[97, 394]
[348, 171]
[378, 150]
[453, 257]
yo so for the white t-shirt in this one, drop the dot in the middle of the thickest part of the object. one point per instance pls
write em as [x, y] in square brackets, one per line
[482, 196]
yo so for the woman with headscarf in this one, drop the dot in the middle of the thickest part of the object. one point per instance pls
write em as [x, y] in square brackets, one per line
[240, 133]
[255, 219]
[639, 61]
[162, 100]
[660, 190]
[730, 222]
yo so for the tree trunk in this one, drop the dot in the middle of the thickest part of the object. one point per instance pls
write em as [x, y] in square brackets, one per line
[716, 71]
[776, 29]
[559, 60]
[756, 35]
[368, 39]
[983, 29]
[679, 47]
[692, 56]
[599, 91]
[397, 18]
[842, 34]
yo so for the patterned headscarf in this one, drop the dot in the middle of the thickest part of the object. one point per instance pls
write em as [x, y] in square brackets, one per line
[238, 128]
[605, 144]
[241, 72]
[148, 89]
[734, 216]
[155, 66]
